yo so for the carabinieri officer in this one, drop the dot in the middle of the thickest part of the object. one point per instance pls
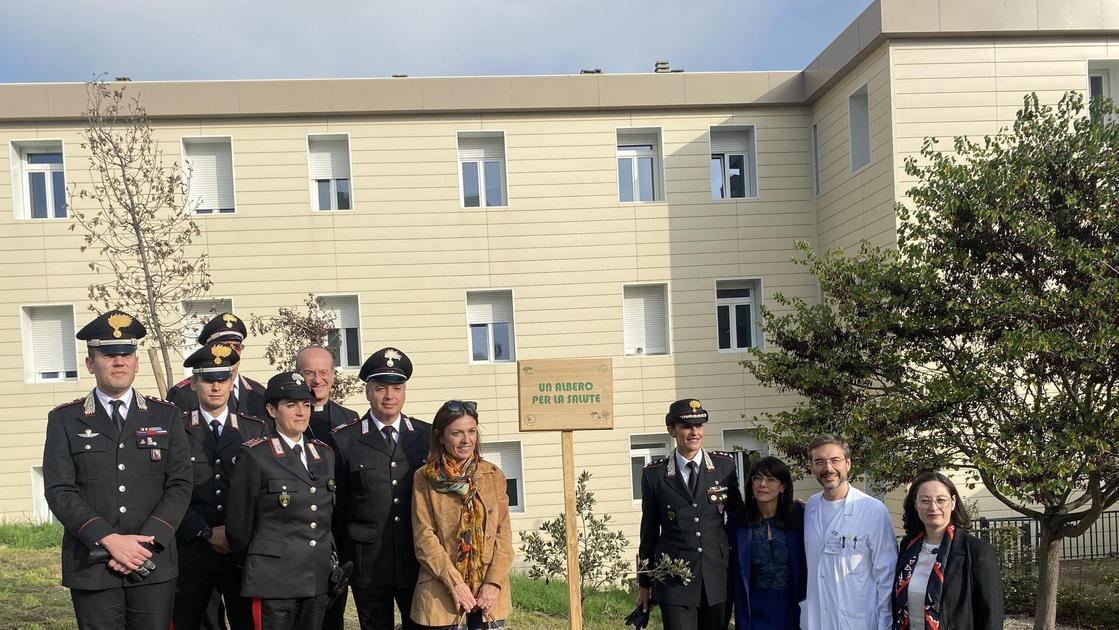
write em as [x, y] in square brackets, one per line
[248, 395]
[684, 501]
[279, 514]
[214, 435]
[118, 479]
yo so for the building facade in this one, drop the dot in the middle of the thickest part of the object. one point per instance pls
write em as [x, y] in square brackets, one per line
[472, 222]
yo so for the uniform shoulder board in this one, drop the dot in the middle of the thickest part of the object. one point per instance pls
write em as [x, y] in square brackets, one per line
[67, 404]
[723, 454]
[318, 442]
[245, 416]
[348, 424]
[656, 462]
[183, 383]
[255, 442]
[160, 401]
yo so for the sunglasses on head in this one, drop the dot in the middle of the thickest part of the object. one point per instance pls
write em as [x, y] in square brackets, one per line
[461, 406]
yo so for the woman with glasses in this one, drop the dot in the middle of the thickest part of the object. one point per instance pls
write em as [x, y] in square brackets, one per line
[767, 551]
[945, 577]
[460, 516]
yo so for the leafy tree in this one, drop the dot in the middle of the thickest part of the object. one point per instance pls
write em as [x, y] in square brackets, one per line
[600, 549]
[291, 330]
[141, 228]
[988, 340]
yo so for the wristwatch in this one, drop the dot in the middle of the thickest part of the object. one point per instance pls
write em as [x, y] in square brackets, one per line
[206, 532]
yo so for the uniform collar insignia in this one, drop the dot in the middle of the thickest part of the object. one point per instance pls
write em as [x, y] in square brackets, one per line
[89, 407]
[671, 465]
[233, 421]
[313, 451]
[277, 447]
[710, 463]
[194, 421]
[365, 426]
[141, 402]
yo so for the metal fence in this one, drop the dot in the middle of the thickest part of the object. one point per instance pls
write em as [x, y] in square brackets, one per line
[1100, 541]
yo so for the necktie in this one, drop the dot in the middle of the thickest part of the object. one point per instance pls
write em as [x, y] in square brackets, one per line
[215, 426]
[693, 477]
[390, 437]
[118, 419]
[299, 454]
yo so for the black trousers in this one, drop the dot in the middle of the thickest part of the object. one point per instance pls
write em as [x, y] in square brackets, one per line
[304, 613]
[374, 607]
[140, 607]
[194, 602]
[706, 616]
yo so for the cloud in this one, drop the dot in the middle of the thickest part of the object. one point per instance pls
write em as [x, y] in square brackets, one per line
[73, 40]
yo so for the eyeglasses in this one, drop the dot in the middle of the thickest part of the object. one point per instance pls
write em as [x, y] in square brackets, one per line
[766, 479]
[939, 502]
[322, 374]
[461, 406]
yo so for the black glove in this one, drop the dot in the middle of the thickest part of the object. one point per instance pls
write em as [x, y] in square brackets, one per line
[639, 618]
[339, 579]
[100, 554]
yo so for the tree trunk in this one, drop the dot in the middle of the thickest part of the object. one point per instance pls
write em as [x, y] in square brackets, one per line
[1048, 577]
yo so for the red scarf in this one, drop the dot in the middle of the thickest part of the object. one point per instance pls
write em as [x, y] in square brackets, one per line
[907, 561]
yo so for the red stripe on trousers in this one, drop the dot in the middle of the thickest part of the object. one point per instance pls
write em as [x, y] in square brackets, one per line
[257, 624]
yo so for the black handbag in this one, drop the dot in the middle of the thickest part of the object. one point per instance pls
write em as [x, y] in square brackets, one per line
[339, 578]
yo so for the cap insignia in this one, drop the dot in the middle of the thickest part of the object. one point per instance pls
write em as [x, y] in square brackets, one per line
[118, 321]
[694, 404]
[220, 352]
[296, 377]
[229, 319]
[391, 356]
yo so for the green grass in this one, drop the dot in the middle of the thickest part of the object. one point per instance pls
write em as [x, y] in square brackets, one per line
[537, 605]
[27, 536]
[31, 597]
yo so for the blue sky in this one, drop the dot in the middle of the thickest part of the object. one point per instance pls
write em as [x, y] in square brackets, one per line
[74, 40]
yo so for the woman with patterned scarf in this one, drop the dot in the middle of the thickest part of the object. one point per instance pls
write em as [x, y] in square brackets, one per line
[946, 579]
[460, 517]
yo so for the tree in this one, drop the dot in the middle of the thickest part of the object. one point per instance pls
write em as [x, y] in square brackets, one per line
[988, 340]
[141, 228]
[600, 549]
[291, 331]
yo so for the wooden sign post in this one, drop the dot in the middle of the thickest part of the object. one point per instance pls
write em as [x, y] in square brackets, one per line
[567, 395]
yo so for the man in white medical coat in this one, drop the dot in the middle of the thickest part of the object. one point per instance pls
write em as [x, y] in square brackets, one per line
[850, 545]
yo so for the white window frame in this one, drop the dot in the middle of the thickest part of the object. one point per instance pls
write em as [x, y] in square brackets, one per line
[21, 171]
[190, 331]
[858, 127]
[480, 162]
[489, 329]
[519, 480]
[31, 373]
[631, 149]
[1105, 78]
[814, 132]
[216, 212]
[40, 512]
[649, 454]
[667, 323]
[313, 182]
[740, 456]
[754, 301]
[749, 160]
[343, 346]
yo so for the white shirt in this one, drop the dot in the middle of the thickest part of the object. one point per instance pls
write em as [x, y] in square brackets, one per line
[682, 466]
[381, 425]
[919, 584]
[221, 418]
[106, 402]
[828, 510]
[293, 443]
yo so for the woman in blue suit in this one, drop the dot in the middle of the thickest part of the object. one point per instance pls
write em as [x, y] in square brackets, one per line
[767, 551]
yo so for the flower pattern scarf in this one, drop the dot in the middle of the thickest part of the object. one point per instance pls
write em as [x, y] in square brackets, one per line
[907, 561]
[449, 477]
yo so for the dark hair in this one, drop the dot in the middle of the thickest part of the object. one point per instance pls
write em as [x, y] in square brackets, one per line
[788, 515]
[443, 418]
[912, 522]
[824, 440]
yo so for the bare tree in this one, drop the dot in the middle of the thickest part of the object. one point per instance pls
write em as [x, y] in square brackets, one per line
[140, 227]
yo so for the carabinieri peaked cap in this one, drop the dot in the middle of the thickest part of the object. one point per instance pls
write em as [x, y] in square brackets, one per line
[223, 327]
[687, 410]
[387, 365]
[213, 362]
[287, 386]
[114, 332]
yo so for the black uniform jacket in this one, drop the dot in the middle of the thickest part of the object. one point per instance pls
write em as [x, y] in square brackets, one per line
[99, 483]
[687, 526]
[212, 462]
[250, 398]
[278, 521]
[375, 492]
[972, 597]
[331, 416]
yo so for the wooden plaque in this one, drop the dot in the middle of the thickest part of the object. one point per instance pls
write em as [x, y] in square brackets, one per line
[566, 394]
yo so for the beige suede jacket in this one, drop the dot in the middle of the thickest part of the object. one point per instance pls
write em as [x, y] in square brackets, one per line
[435, 519]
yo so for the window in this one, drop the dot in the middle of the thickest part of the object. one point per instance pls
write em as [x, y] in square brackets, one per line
[195, 315]
[816, 160]
[736, 314]
[208, 173]
[1099, 84]
[481, 157]
[639, 166]
[858, 118]
[41, 512]
[643, 450]
[507, 457]
[645, 319]
[51, 354]
[38, 179]
[733, 165]
[328, 162]
[745, 446]
[489, 315]
[344, 341]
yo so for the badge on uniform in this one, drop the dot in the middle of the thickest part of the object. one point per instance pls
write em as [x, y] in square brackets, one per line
[88, 434]
[285, 499]
[156, 455]
[671, 515]
[148, 437]
[718, 495]
[330, 485]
